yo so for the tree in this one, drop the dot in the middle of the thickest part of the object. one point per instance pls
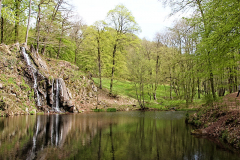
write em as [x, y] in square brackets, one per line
[78, 34]
[65, 26]
[122, 21]
[99, 35]
[138, 66]
[29, 15]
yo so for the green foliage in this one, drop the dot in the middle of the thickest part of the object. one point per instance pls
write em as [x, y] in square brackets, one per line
[32, 112]
[224, 135]
[31, 95]
[98, 110]
[111, 110]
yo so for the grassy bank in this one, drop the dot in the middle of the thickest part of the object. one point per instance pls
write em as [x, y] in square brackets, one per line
[163, 102]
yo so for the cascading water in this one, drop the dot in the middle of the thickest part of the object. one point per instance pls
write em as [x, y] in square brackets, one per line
[33, 71]
[55, 95]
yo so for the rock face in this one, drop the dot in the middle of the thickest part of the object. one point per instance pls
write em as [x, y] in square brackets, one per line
[29, 82]
[53, 93]
[64, 95]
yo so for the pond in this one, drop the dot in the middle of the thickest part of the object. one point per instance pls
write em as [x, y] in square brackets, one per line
[115, 135]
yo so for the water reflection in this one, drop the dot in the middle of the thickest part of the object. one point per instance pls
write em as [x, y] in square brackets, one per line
[121, 135]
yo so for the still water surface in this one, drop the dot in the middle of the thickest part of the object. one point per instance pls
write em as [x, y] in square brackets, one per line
[119, 136]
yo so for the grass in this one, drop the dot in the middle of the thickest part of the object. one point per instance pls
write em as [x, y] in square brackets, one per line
[126, 88]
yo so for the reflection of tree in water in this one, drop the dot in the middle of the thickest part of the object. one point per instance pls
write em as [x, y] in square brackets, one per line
[149, 138]
[103, 136]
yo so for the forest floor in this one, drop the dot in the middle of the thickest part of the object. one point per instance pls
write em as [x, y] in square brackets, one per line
[121, 103]
[231, 101]
[221, 120]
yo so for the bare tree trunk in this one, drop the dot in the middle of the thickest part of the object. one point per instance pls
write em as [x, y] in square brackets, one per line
[29, 15]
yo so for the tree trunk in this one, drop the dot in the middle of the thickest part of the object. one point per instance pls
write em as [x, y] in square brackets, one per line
[170, 83]
[44, 47]
[99, 65]
[156, 78]
[52, 19]
[38, 26]
[212, 85]
[2, 22]
[113, 67]
[0, 8]
[230, 81]
[75, 60]
[17, 7]
[59, 47]
[29, 15]
[198, 82]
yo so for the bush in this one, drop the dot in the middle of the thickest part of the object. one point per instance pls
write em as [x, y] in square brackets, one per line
[98, 110]
[111, 110]
[32, 112]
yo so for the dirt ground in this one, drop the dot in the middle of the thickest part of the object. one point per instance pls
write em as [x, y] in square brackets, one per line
[104, 101]
[222, 121]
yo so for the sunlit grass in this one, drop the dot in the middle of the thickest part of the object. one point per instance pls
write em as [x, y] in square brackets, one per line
[163, 102]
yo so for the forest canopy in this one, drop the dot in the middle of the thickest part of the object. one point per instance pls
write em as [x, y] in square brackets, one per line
[197, 58]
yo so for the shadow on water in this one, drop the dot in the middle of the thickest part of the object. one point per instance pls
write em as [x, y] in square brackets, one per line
[119, 135]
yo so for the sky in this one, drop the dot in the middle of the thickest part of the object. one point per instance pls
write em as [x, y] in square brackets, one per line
[150, 15]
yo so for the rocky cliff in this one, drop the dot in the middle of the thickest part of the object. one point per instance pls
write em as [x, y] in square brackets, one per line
[30, 83]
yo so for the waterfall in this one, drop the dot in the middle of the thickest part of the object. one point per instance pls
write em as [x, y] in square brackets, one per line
[55, 95]
[34, 73]
[26, 57]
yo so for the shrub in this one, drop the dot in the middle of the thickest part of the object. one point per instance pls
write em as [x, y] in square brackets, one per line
[111, 110]
[98, 110]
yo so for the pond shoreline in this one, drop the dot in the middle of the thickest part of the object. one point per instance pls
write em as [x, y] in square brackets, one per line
[224, 125]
